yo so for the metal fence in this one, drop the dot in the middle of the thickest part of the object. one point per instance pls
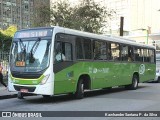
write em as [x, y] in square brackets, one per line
[4, 60]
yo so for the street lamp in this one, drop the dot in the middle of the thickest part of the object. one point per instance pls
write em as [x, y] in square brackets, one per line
[147, 34]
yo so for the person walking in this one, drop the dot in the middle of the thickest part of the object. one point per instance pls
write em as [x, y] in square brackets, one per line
[1, 76]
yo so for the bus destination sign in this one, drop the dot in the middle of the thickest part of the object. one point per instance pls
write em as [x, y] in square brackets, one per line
[34, 33]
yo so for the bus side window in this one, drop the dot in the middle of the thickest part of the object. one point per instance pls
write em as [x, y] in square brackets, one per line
[151, 54]
[67, 50]
[124, 52]
[146, 55]
[130, 54]
[79, 48]
[138, 54]
[100, 50]
[63, 51]
[109, 53]
[115, 51]
[59, 56]
[83, 48]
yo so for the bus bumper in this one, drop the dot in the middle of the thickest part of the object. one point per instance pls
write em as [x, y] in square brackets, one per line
[46, 89]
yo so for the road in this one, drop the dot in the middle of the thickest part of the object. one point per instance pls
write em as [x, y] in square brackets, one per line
[145, 98]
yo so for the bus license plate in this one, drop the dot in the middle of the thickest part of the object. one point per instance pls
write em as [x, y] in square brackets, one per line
[24, 90]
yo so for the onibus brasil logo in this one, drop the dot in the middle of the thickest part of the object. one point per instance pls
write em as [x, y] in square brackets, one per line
[141, 69]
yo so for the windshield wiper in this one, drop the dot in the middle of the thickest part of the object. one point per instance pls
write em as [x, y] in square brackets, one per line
[23, 50]
[22, 46]
[33, 50]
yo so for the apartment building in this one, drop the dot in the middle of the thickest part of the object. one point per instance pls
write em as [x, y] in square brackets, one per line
[18, 12]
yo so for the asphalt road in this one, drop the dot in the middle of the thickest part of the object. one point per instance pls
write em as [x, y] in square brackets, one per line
[145, 98]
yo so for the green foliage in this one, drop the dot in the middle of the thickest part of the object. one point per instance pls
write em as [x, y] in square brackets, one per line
[6, 38]
[41, 17]
[62, 14]
[9, 31]
[86, 16]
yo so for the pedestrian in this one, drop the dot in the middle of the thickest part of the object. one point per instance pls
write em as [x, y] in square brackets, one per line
[1, 76]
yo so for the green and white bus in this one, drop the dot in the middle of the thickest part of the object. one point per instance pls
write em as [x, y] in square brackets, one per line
[56, 60]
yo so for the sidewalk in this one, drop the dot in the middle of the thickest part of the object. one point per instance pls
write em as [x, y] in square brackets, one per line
[5, 94]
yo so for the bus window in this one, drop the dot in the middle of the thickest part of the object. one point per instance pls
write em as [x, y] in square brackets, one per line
[67, 50]
[130, 53]
[63, 51]
[83, 48]
[87, 49]
[151, 54]
[100, 50]
[124, 53]
[146, 55]
[59, 56]
[138, 53]
[109, 53]
[115, 51]
[79, 48]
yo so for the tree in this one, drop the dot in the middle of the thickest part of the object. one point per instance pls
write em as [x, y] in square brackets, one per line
[6, 38]
[62, 14]
[5, 42]
[86, 16]
[9, 31]
[41, 17]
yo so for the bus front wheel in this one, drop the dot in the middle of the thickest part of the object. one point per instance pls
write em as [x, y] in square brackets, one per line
[20, 95]
[134, 84]
[80, 90]
[46, 96]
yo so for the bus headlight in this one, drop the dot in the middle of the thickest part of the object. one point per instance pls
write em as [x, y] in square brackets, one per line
[44, 80]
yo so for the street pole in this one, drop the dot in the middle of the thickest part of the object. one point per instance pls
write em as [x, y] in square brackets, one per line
[121, 25]
[147, 36]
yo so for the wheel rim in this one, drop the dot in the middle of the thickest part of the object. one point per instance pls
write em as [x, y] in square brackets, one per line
[82, 88]
[135, 82]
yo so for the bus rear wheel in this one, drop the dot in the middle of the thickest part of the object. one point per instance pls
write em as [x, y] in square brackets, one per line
[134, 84]
[158, 81]
[80, 90]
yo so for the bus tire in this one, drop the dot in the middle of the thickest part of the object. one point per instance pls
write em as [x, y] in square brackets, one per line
[134, 84]
[20, 95]
[80, 90]
[158, 81]
[108, 88]
[46, 96]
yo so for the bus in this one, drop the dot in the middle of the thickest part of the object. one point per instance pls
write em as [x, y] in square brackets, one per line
[54, 60]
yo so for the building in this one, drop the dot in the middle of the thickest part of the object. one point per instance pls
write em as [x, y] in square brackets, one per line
[18, 12]
[141, 15]
[138, 15]
[141, 19]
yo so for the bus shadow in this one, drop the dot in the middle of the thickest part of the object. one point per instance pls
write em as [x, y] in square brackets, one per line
[65, 98]
[53, 99]
[104, 92]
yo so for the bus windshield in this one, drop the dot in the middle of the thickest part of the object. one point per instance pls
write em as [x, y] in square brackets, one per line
[30, 55]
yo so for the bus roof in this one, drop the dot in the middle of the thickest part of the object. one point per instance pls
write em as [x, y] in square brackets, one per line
[102, 37]
[95, 36]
